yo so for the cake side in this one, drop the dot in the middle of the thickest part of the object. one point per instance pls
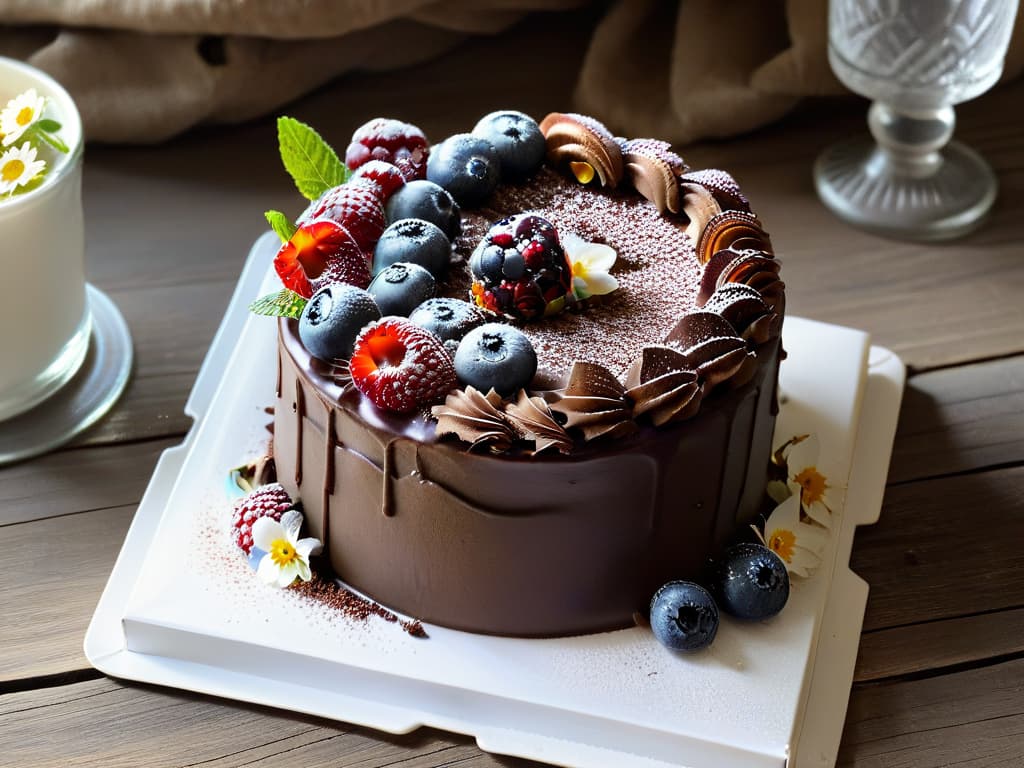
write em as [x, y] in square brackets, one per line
[517, 546]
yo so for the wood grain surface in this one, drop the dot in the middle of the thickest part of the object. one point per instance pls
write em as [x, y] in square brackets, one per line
[940, 676]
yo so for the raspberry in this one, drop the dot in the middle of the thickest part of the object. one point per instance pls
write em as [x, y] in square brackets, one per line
[266, 501]
[520, 269]
[349, 265]
[400, 366]
[386, 177]
[392, 141]
[304, 258]
[357, 207]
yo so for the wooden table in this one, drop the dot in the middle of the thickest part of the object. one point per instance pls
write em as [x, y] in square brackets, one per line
[940, 677]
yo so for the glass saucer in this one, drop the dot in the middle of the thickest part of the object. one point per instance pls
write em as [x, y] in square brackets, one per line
[85, 398]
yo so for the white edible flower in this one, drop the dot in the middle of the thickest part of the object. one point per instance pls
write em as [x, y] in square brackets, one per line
[20, 114]
[799, 545]
[287, 556]
[591, 263]
[18, 166]
[802, 463]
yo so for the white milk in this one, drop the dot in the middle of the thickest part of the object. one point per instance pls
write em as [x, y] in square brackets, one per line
[44, 319]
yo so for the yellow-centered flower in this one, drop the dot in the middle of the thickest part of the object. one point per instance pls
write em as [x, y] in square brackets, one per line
[591, 263]
[20, 114]
[799, 545]
[287, 556]
[804, 472]
[19, 167]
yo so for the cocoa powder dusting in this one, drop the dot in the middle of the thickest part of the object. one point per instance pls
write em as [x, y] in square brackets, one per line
[353, 606]
[657, 269]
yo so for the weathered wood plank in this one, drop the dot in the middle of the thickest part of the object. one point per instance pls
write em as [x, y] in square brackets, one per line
[72, 481]
[973, 718]
[935, 645]
[944, 548]
[958, 419]
[103, 722]
[51, 588]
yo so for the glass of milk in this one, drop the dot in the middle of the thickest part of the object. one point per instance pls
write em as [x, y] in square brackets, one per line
[44, 316]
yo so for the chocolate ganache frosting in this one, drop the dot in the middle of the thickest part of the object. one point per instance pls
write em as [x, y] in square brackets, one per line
[640, 449]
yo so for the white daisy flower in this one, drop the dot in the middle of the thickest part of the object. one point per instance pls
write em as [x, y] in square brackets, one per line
[287, 556]
[20, 114]
[802, 461]
[18, 167]
[800, 545]
[591, 263]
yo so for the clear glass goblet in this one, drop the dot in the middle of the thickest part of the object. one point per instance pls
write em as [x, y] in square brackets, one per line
[915, 59]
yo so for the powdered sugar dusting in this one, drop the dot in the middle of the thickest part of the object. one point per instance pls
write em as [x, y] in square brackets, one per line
[657, 270]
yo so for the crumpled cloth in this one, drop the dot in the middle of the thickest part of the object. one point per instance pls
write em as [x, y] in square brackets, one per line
[145, 70]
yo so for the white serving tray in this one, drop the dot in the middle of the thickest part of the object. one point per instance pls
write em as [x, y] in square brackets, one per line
[182, 609]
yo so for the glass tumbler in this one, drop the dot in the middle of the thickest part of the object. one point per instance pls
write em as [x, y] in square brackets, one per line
[915, 59]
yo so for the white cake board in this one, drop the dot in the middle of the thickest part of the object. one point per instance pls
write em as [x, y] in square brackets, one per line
[765, 695]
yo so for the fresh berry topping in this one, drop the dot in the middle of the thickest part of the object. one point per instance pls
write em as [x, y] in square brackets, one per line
[400, 366]
[386, 176]
[333, 318]
[518, 141]
[448, 319]
[425, 200]
[392, 141]
[496, 356]
[751, 582]
[520, 269]
[357, 207]
[414, 241]
[307, 255]
[266, 501]
[466, 166]
[348, 265]
[400, 288]
[684, 617]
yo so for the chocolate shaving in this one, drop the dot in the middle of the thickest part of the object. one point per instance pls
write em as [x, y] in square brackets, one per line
[535, 421]
[595, 403]
[573, 138]
[725, 229]
[475, 418]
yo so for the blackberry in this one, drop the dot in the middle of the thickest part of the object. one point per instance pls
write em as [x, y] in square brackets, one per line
[520, 269]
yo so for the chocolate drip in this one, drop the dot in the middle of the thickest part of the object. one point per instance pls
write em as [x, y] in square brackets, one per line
[300, 417]
[329, 444]
[388, 491]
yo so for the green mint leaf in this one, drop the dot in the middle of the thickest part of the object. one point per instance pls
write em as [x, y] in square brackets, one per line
[52, 140]
[50, 126]
[284, 303]
[280, 224]
[313, 165]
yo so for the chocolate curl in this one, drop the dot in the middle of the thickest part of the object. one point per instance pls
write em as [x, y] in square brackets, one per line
[585, 146]
[662, 387]
[476, 419]
[722, 185]
[595, 403]
[654, 169]
[535, 421]
[700, 207]
[725, 229]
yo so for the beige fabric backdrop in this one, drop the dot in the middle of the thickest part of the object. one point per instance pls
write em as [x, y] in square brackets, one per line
[145, 70]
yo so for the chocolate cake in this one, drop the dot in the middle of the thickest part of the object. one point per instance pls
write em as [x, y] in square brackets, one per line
[637, 449]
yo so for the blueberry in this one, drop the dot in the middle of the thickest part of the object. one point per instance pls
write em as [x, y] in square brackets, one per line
[466, 166]
[448, 319]
[750, 582]
[413, 241]
[496, 356]
[422, 199]
[400, 288]
[332, 319]
[517, 138]
[684, 617]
